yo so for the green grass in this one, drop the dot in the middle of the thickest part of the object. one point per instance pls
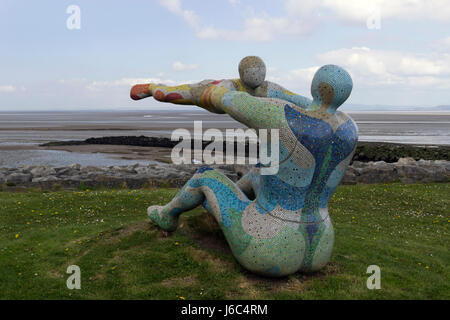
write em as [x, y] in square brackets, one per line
[404, 229]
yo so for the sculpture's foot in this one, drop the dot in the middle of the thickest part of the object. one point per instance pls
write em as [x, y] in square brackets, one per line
[161, 216]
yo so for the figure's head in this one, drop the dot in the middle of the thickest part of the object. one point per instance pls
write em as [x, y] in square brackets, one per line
[331, 86]
[252, 71]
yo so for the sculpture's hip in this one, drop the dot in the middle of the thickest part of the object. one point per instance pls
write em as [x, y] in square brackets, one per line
[280, 242]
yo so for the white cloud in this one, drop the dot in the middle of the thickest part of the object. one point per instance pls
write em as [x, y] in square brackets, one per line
[359, 11]
[7, 88]
[259, 28]
[178, 66]
[300, 16]
[256, 27]
[390, 66]
[386, 68]
[297, 80]
[174, 6]
[376, 71]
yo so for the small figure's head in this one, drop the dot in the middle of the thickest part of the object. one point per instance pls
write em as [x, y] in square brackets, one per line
[331, 86]
[252, 71]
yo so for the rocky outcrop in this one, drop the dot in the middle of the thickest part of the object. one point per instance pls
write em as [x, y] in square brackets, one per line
[365, 151]
[406, 170]
[18, 178]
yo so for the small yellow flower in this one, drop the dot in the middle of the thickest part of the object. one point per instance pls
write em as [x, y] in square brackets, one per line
[113, 268]
[67, 249]
[182, 298]
[427, 267]
[177, 243]
[17, 235]
[75, 231]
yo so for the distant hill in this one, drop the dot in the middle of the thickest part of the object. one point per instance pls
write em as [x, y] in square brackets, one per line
[365, 108]
[443, 107]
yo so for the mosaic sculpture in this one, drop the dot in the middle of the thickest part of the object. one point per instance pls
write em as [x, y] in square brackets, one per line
[275, 224]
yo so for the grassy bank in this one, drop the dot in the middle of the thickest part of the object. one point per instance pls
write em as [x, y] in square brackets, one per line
[404, 229]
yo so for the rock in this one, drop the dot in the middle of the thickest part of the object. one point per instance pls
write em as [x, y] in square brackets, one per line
[19, 178]
[350, 176]
[142, 170]
[124, 169]
[42, 171]
[46, 179]
[406, 170]
[26, 168]
[90, 169]
[379, 172]
[75, 166]
[359, 164]
[75, 178]
[67, 171]
[412, 173]
[406, 161]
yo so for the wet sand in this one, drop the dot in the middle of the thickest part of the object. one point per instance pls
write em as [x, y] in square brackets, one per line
[16, 155]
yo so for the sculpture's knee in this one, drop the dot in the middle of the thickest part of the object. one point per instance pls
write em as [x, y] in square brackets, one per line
[196, 181]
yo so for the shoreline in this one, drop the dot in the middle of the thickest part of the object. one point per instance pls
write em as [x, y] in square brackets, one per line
[156, 147]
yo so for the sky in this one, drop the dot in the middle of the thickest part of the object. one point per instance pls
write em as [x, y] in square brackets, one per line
[84, 54]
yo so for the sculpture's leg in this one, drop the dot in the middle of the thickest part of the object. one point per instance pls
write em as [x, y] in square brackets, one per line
[214, 190]
[249, 183]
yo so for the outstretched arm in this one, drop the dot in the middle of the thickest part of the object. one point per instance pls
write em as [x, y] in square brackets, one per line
[219, 97]
[189, 94]
[276, 91]
[254, 112]
[272, 90]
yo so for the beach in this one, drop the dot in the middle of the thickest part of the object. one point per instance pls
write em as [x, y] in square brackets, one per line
[22, 133]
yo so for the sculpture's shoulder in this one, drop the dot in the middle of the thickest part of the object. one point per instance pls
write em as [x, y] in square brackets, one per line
[347, 127]
[226, 83]
[260, 91]
[342, 118]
